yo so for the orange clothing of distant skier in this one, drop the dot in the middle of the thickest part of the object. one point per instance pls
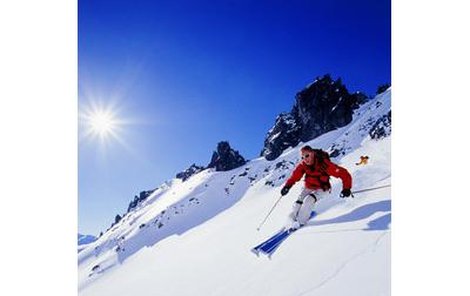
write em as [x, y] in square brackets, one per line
[364, 160]
[317, 175]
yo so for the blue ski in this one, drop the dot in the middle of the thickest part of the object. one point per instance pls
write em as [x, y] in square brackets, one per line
[270, 245]
[269, 240]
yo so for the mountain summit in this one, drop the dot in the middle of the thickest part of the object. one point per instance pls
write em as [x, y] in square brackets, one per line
[225, 158]
[322, 106]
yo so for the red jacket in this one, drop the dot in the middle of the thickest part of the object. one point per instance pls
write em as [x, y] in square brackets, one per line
[318, 178]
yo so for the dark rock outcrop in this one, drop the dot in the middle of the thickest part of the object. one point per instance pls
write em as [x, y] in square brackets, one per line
[225, 158]
[193, 169]
[138, 199]
[285, 133]
[322, 106]
[382, 127]
[382, 88]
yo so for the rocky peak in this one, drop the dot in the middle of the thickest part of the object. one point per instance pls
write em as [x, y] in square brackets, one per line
[285, 130]
[193, 169]
[225, 158]
[322, 106]
[139, 198]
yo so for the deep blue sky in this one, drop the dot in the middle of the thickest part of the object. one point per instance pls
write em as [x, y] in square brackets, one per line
[188, 74]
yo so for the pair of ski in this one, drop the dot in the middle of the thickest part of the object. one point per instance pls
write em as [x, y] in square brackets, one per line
[269, 246]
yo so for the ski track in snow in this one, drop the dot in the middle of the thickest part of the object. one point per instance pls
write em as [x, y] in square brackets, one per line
[372, 246]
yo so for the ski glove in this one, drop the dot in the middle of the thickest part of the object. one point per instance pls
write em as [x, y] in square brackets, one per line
[285, 190]
[346, 193]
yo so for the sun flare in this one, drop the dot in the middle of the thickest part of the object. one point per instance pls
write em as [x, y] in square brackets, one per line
[100, 122]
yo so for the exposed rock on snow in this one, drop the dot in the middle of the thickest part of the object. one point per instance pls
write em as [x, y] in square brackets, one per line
[322, 106]
[193, 169]
[225, 158]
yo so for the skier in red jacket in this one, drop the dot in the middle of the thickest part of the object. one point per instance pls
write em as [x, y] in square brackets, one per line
[317, 169]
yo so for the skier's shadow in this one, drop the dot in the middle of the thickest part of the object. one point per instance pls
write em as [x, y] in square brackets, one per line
[381, 223]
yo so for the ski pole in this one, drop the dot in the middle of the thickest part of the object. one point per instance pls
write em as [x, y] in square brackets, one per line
[266, 218]
[369, 189]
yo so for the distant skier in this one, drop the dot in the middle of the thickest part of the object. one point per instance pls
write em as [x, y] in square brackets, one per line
[317, 168]
[96, 269]
[363, 161]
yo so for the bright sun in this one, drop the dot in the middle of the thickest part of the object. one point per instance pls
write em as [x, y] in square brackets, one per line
[101, 123]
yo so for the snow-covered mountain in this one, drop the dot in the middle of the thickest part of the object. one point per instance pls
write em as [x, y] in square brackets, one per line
[194, 237]
[85, 239]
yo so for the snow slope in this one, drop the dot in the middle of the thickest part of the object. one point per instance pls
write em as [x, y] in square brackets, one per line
[85, 239]
[194, 237]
